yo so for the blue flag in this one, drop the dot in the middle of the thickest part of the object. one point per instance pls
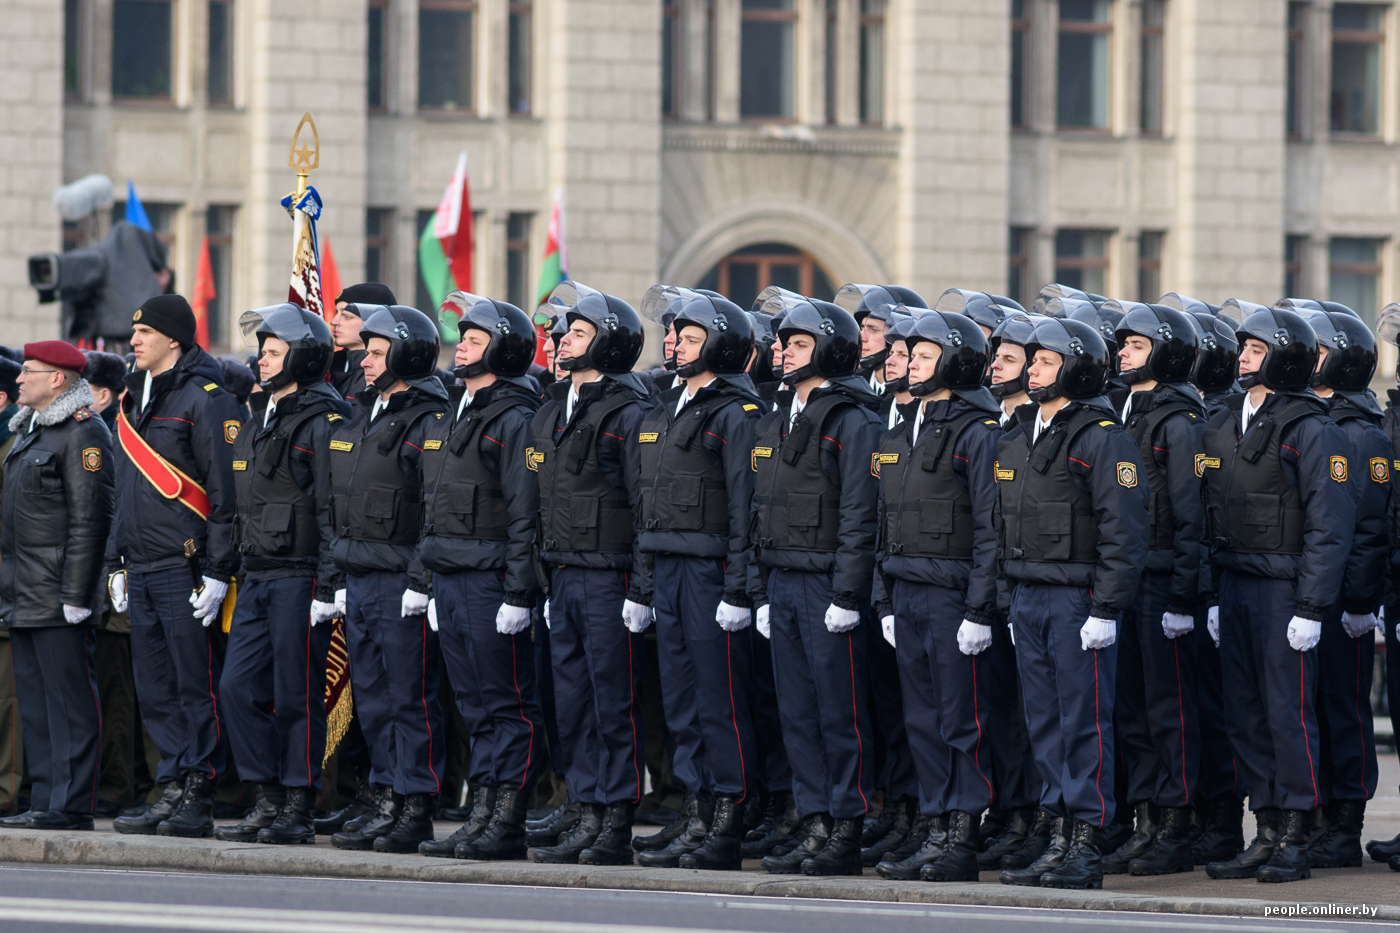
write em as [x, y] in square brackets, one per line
[135, 211]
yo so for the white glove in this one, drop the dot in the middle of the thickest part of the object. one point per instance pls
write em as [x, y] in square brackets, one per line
[840, 620]
[432, 614]
[761, 624]
[340, 602]
[1355, 624]
[1011, 630]
[512, 620]
[413, 604]
[206, 602]
[75, 614]
[1097, 633]
[116, 589]
[887, 629]
[973, 638]
[1303, 633]
[1213, 624]
[321, 612]
[1175, 624]
[636, 617]
[733, 618]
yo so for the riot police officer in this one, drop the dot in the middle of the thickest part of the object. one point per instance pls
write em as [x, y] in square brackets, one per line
[896, 370]
[873, 306]
[1008, 366]
[347, 375]
[1281, 516]
[1073, 511]
[376, 508]
[276, 658]
[1388, 329]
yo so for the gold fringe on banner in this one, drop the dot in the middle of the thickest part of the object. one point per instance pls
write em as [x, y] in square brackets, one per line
[339, 702]
[226, 610]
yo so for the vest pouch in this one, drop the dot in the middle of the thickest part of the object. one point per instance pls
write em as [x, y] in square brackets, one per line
[583, 522]
[456, 509]
[275, 525]
[377, 510]
[1262, 521]
[1053, 524]
[936, 525]
[685, 504]
[804, 516]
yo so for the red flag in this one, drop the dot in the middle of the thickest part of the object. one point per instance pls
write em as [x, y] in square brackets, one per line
[452, 225]
[203, 294]
[330, 278]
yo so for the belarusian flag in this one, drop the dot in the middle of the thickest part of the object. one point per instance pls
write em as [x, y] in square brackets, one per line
[555, 268]
[445, 248]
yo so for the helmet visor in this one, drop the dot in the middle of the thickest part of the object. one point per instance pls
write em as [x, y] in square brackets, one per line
[1388, 324]
[864, 299]
[569, 293]
[284, 321]
[662, 303]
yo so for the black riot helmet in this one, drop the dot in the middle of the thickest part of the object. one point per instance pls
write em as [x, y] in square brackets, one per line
[1016, 329]
[837, 336]
[964, 358]
[1291, 343]
[307, 336]
[557, 326]
[981, 307]
[1186, 303]
[1351, 350]
[619, 339]
[1009, 305]
[1173, 336]
[901, 326]
[512, 347]
[728, 336]
[879, 302]
[660, 305]
[1218, 362]
[1104, 318]
[1047, 293]
[413, 341]
[1301, 305]
[1085, 361]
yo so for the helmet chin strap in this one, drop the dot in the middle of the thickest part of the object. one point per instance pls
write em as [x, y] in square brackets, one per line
[897, 385]
[471, 370]
[800, 374]
[568, 363]
[927, 387]
[280, 381]
[686, 370]
[1132, 377]
[1008, 388]
[1250, 380]
[1045, 393]
[384, 382]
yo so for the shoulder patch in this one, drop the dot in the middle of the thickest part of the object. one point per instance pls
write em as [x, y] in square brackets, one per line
[1204, 463]
[342, 445]
[92, 459]
[877, 460]
[1338, 469]
[83, 414]
[333, 418]
[1107, 424]
[647, 437]
[240, 465]
[1380, 470]
[991, 423]
[230, 431]
[1003, 476]
[533, 459]
[210, 386]
[432, 445]
[1127, 474]
[759, 452]
[750, 407]
[437, 415]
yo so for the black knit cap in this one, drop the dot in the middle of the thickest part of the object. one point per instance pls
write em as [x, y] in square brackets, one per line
[105, 370]
[170, 315]
[367, 293]
[9, 373]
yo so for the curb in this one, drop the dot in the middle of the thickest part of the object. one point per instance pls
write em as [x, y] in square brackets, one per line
[112, 850]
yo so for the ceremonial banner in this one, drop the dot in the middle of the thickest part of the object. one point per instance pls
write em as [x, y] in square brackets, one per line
[554, 270]
[305, 288]
[203, 293]
[445, 247]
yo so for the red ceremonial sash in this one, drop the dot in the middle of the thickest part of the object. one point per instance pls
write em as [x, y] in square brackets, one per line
[169, 481]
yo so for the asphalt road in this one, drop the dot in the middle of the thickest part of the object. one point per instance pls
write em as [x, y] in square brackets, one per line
[37, 899]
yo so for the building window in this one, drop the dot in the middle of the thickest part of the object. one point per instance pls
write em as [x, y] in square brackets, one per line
[1295, 250]
[219, 83]
[378, 259]
[831, 54]
[446, 54]
[518, 259]
[743, 274]
[1154, 17]
[376, 91]
[766, 62]
[1082, 69]
[518, 84]
[141, 49]
[1149, 266]
[872, 61]
[1018, 264]
[1357, 34]
[1297, 68]
[72, 49]
[1354, 273]
[1020, 51]
[670, 57]
[1081, 259]
[218, 226]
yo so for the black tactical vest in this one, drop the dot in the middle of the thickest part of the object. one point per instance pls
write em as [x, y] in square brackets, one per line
[274, 517]
[465, 499]
[1142, 426]
[925, 511]
[799, 509]
[580, 511]
[682, 488]
[1046, 517]
[370, 498]
[1250, 507]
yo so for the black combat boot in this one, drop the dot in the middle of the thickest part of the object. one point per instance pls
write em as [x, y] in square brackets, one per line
[573, 842]
[265, 809]
[613, 845]
[1008, 839]
[1170, 851]
[1037, 838]
[372, 825]
[755, 809]
[503, 838]
[692, 834]
[958, 860]
[780, 827]
[483, 804]
[1223, 837]
[379, 795]
[362, 803]
[293, 826]
[1080, 867]
[1340, 846]
[906, 808]
[1116, 862]
[1117, 832]
[721, 849]
[1380, 850]
[194, 817]
[811, 839]
[145, 824]
[1246, 864]
[841, 854]
[1289, 861]
[923, 845]
[918, 836]
[1051, 857]
[552, 829]
[993, 822]
[415, 826]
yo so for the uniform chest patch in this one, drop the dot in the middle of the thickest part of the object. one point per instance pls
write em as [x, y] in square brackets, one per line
[1204, 463]
[1338, 469]
[1127, 475]
[432, 445]
[240, 465]
[647, 437]
[230, 431]
[1003, 476]
[92, 459]
[342, 445]
[533, 459]
[759, 452]
[1380, 470]
[877, 460]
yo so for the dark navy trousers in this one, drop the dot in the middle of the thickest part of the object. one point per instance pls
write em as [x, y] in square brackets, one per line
[1345, 669]
[1154, 713]
[597, 684]
[274, 684]
[56, 684]
[1270, 691]
[822, 689]
[705, 677]
[177, 674]
[1014, 774]
[773, 768]
[1068, 696]
[493, 679]
[394, 665]
[1217, 773]
[895, 772]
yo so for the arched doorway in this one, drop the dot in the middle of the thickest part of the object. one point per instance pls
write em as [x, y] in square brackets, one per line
[744, 273]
